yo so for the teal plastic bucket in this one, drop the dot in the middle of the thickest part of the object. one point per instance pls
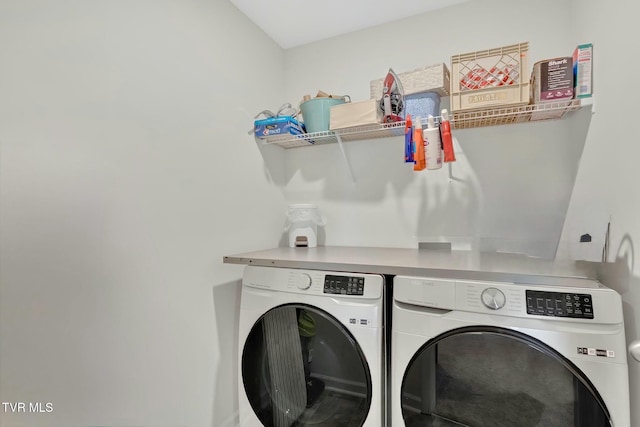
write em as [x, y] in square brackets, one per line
[315, 113]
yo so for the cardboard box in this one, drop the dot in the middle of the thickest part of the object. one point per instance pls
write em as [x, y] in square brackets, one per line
[433, 78]
[552, 80]
[583, 70]
[352, 114]
[277, 126]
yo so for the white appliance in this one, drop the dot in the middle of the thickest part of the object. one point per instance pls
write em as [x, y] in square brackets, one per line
[473, 353]
[311, 348]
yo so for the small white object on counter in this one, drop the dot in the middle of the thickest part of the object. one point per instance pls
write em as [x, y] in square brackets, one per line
[302, 224]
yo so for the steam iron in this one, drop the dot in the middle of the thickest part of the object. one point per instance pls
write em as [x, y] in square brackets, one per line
[392, 102]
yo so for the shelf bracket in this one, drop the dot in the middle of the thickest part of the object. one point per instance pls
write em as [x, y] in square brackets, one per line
[344, 156]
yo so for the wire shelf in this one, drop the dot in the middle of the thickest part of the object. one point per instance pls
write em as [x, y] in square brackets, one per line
[382, 130]
[509, 115]
[461, 120]
[302, 140]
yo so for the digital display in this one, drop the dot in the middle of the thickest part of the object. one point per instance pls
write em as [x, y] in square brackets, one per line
[343, 285]
[560, 304]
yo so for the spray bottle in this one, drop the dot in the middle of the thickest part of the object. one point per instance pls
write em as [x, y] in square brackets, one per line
[419, 156]
[434, 149]
[447, 140]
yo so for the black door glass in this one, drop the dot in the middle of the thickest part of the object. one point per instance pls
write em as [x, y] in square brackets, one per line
[495, 377]
[301, 367]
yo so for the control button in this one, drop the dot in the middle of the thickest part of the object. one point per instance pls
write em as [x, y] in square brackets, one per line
[303, 281]
[493, 298]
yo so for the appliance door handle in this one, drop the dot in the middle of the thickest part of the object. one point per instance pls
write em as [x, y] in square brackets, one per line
[634, 350]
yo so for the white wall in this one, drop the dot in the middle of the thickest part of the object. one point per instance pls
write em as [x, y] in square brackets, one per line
[126, 173]
[509, 189]
[606, 187]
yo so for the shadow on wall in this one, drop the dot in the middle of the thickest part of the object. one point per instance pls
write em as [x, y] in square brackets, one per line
[618, 275]
[510, 186]
[450, 210]
[323, 170]
[524, 176]
[226, 303]
[274, 169]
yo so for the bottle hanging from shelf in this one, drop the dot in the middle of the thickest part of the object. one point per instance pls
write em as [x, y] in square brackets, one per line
[447, 140]
[433, 147]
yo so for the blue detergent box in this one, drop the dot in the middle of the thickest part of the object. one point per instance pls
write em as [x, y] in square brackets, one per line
[422, 104]
[277, 126]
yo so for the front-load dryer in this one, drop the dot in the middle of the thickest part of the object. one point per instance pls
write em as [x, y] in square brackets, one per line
[485, 354]
[311, 348]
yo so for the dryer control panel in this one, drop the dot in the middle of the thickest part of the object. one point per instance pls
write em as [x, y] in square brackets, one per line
[560, 304]
[343, 285]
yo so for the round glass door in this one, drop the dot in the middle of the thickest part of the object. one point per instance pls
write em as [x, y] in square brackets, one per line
[301, 367]
[496, 377]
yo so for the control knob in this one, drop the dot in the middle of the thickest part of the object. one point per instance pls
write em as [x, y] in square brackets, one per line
[303, 281]
[493, 298]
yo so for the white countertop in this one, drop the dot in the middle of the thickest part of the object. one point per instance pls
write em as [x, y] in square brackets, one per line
[469, 265]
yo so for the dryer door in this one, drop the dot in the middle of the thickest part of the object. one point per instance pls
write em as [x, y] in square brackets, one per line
[495, 377]
[301, 367]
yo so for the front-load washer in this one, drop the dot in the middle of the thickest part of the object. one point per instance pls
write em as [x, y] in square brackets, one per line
[311, 348]
[485, 354]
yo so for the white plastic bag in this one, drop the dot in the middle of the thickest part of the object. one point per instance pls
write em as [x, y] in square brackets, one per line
[302, 224]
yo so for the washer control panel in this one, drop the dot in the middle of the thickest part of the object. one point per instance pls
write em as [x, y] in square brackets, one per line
[559, 304]
[344, 285]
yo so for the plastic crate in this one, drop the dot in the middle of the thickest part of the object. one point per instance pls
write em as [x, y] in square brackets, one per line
[490, 78]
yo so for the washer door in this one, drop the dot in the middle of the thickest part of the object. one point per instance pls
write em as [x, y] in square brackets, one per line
[494, 377]
[301, 367]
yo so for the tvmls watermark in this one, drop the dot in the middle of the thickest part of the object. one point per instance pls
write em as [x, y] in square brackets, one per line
[28, 407]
